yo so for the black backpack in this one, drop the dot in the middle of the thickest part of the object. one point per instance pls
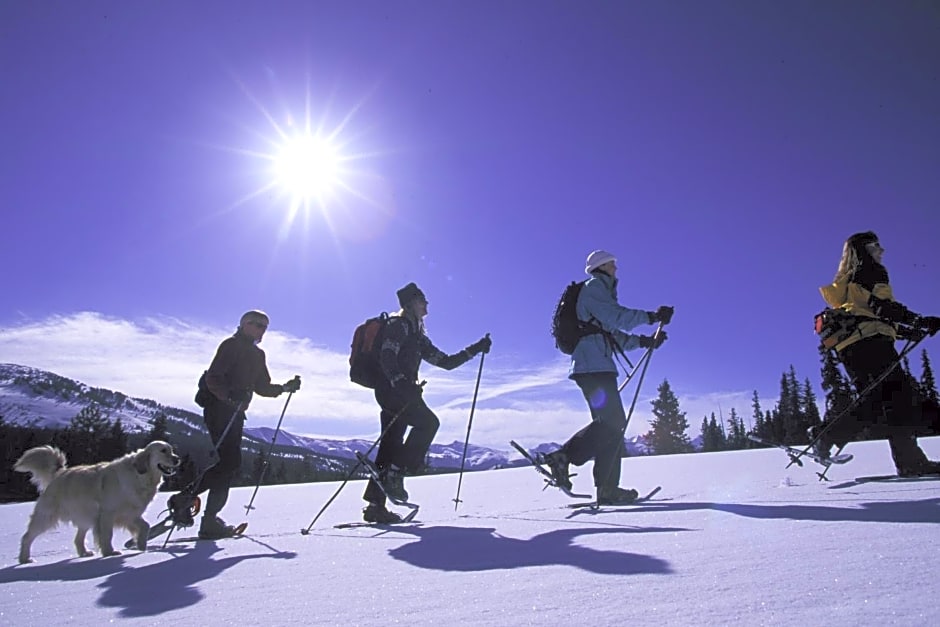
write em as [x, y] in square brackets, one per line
[364, 367]
[566, 328]
[834, 326]
[204, 398]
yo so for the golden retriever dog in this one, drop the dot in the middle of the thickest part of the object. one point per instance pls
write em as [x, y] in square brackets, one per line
[98, 497]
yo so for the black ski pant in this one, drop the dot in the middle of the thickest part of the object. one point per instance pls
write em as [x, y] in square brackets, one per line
[218, 478]
[894, 409]
[407, 454]
[602, 440]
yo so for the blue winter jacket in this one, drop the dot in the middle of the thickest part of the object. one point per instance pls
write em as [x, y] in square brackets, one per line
[598, 303]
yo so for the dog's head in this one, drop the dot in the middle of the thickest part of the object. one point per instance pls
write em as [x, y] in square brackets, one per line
[157, 456]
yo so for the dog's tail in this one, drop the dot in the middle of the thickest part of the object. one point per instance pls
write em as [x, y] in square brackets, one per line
[43, 463]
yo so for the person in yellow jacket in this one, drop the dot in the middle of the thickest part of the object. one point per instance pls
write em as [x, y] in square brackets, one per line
[894, 409]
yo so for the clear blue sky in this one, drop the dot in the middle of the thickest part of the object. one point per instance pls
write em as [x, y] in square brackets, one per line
[723, 150]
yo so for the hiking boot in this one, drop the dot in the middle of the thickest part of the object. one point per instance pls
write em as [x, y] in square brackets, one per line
[214, 528]
[909, 458]
[557, 463]
[376, 513]
[615, 495]
[921, 470]
[822, 445]
[393, 481]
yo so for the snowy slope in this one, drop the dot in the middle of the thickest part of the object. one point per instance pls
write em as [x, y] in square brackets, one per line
[733, 539]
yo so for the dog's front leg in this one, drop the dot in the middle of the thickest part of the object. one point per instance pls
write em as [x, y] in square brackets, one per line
[141, 531]
[25, 544]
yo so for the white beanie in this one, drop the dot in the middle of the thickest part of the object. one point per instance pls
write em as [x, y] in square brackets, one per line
[596, 259]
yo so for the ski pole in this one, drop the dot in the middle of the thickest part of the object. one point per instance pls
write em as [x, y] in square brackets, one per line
[350, 474]
[466, 442]
[639, 383]
[194, 503]
[267, 457]
[214, 453]
[912, 343]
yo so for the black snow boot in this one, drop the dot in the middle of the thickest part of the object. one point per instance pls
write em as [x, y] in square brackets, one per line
[376, 513]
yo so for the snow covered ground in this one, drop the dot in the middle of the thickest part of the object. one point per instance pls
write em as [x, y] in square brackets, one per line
[733, 538]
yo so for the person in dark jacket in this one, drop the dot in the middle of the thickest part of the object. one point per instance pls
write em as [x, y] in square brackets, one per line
[237, 371]
[594, 371]
[894, 408]
[404, 346]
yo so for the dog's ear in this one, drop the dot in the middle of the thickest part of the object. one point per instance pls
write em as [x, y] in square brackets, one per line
[141, 464]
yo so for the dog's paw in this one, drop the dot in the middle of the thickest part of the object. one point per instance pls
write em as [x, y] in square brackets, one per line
[26, 560]
[110, 553]
[85, 553]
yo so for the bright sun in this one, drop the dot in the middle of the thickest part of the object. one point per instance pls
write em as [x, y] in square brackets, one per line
[307, 167]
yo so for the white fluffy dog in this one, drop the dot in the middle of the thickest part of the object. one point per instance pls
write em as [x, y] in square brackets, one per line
[99, 497]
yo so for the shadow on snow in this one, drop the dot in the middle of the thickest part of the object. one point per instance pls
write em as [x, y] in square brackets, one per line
[132, 590]
[468, 549]
[922, 511]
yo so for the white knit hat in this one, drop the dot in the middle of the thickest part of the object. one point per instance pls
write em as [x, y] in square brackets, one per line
[596, 259]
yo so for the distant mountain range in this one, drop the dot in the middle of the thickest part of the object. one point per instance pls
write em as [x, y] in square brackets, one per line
[42, 399]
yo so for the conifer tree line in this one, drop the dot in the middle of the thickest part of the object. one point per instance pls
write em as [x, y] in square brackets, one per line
[796, 410]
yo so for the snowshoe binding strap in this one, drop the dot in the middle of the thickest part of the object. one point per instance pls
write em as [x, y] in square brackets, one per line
[183, 508]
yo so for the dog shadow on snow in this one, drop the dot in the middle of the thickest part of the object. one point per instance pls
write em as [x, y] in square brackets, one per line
[132, 589]
[149, 590]
[471, 549]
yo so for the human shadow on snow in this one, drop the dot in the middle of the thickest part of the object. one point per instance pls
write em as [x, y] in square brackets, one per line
[470, 549]
[133, 589]
[921, 511]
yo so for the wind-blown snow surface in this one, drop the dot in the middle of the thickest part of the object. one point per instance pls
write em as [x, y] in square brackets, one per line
[734, 538]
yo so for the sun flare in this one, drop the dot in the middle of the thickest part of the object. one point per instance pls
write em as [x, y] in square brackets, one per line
[316, 169]
[308, 167]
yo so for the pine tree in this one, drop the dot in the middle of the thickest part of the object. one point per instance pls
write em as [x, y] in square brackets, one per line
[836, 387]
[737, 436]
[762, 426]
[707, 444]
[114, 444]
[713, 439]
[158, 428]
[84, 435]
[668, 428]
[791, 409]
[809, 410]
[718, 434]
[928, 384]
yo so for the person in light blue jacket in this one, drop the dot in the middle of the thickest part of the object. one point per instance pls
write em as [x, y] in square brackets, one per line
[594, 370]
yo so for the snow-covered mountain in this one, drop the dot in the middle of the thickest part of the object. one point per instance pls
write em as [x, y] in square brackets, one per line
[42, 399]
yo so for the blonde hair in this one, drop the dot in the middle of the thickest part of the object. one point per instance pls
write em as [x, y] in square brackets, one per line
[848, 264]
[851, 254]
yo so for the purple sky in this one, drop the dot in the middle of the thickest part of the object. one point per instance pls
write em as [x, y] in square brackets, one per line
[723, 150]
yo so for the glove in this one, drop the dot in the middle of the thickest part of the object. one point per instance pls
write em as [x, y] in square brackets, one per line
[892, 310]
[663, 314]
[482, 346]
[930, 324]
[648, 341]
[291, 386]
